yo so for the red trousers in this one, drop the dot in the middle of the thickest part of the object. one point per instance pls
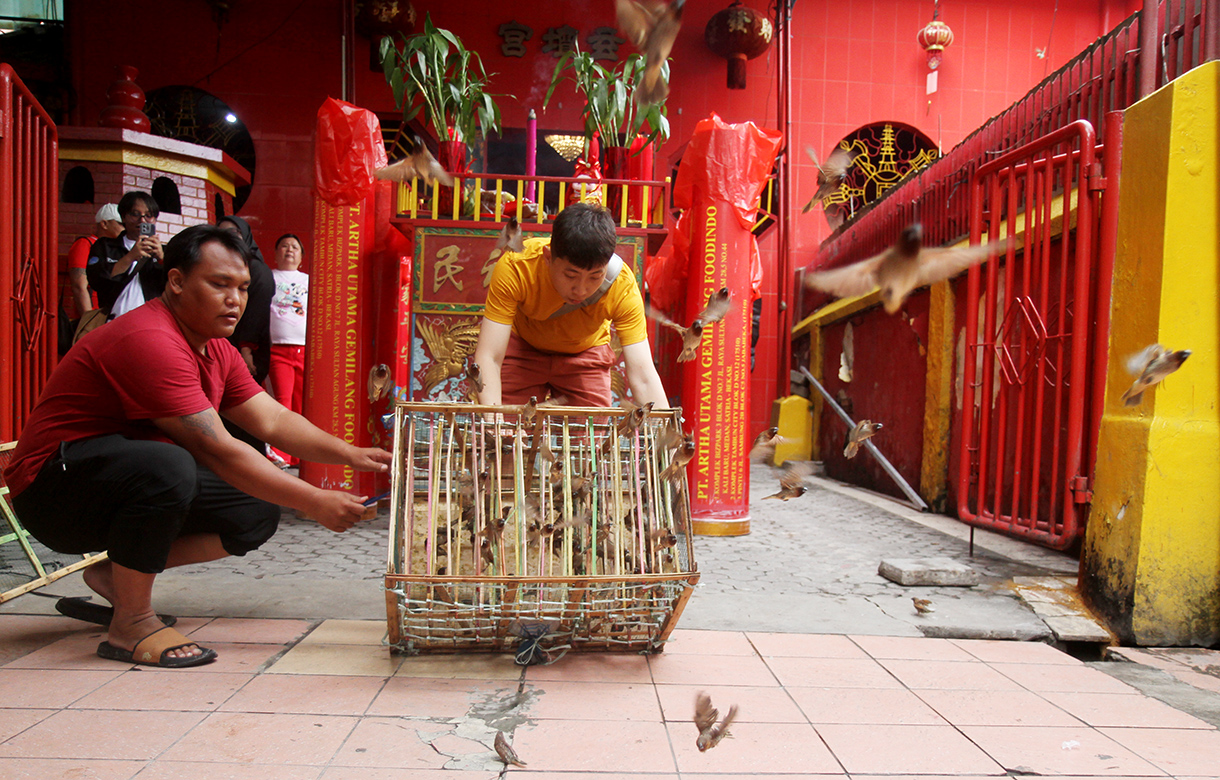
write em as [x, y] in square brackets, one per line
[583, 378]
[287, 379]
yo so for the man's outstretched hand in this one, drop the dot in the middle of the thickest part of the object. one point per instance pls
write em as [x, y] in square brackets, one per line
[371, 459]
[337, 510]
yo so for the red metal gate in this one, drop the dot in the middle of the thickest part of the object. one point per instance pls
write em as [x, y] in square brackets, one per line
[29, 223]
[1030, 337]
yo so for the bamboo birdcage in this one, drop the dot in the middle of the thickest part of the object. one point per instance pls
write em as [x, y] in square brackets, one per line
[487, 535]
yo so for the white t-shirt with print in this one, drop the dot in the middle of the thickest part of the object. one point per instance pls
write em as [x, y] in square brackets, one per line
[288, 307]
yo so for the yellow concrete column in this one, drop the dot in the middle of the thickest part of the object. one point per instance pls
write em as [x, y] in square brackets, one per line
[938, 398]
[1151, 557]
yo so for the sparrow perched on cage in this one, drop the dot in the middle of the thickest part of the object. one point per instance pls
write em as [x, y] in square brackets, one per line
[710, 733]
[474, 375]
[856, 436]
[763, 449]
[505, 751]
[1150, 366]
[652, 25]
[830, 175]
[529, 413]
[630, 422]
[902, 268]
[682, 456]
[379, 382]
[792, 475]
[493, 530]
[509, 240]
[718, 305]
[419, 163]
[663, 538]
[485, 551]
[922, 606]
[544, 448]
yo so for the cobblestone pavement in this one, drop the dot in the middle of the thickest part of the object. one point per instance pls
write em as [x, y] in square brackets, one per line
[809, 564]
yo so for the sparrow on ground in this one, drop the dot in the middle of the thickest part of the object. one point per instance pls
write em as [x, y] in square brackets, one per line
[792, 475]
[856, 436]
[718, 305]
[379, 382]
[419, 163]
[710, 733]
[830, 175]
[922, 606]
[1149, 367]
[505, 751]
[902, 268]
[652, 25]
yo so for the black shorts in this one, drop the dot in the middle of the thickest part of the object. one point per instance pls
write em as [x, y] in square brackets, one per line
[133, 498]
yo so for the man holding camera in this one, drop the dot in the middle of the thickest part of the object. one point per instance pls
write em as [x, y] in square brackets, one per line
[127, 271]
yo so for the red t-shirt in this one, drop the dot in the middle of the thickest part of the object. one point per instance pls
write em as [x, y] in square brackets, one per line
[78, 257]
[121, 377]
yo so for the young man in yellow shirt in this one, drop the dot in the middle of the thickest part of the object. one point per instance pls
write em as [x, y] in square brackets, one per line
[546, 325]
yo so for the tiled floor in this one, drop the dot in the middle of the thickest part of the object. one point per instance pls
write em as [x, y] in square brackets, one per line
[291, 701]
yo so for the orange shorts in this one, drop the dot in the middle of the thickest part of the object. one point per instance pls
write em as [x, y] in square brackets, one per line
[583, 378]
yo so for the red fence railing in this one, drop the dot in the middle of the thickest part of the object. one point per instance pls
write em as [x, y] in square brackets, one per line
[29, 226]
[1168, 39]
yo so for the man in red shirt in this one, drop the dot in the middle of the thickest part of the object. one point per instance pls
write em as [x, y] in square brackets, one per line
[126, 452]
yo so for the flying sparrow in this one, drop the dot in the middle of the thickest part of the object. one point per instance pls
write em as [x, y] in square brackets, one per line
[763, 449]
[830, 175]
[1149, 367]
[856, 436]
[652, 25]
[792, 475]
[419, 162]
[922, 606]
[710, 733]
[718, 305]
[379, 382]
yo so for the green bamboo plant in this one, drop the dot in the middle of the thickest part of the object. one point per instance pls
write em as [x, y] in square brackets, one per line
[610, 105]
[433, 72]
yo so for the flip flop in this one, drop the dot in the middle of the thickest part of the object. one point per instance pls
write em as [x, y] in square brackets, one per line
[81, 608]
[152, 649]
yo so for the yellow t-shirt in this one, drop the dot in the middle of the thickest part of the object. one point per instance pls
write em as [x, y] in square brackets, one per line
[521, 295]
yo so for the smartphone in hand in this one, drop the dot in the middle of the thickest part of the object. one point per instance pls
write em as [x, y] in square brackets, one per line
[148, 229]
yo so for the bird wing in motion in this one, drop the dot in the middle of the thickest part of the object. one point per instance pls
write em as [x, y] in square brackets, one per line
[856, 279]
[830, 175]
[938, 264]
[418, 162]
[718, 305]
[663, 320]
[705, 713]
[1141, 360]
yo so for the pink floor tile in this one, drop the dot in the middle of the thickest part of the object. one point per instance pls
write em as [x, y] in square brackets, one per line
[805, 645]
[526, 774]
[50, 688]
[691, 642]
[949, 675]
[251, 631]
[755, 704]
[373, 773]
[424, 697]
[1124, 709]
[755, 747]
[197, 770]
[759, 776]
[594, 667]
[22, 634]
[558, 700]
[1179, 752]
[129, 736]
[1061, 678]
[135, 690]
[996, 708]
[321, 694]
[1053, 750]
[831, 673]
[590, 746]
[393, 742]
[264, 739]
[230, 659]
[15, 721]
[881, 749]
[1207, 682]
[864, 705]
[1000, 651]
[911, 648]
[47, 768]
[77, 652]
[711, 670]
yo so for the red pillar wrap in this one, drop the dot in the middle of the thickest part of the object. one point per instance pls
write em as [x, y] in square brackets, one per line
[723, 171]
[338, 333]
[716, 386]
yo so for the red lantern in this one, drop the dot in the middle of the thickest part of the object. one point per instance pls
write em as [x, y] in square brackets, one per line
[934, 38]
[738, 33]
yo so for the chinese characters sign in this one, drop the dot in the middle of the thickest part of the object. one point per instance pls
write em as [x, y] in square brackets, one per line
[601, 42]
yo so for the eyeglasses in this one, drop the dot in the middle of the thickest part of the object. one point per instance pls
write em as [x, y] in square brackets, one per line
[142, 216]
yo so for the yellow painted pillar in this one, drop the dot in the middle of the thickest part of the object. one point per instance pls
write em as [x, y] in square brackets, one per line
[938, 398]
[791, 416]
[1151, 558]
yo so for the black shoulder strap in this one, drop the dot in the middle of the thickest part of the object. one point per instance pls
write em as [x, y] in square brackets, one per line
[612, 270]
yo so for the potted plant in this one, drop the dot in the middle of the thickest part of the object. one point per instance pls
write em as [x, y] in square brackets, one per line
[611, 108]
[433, 72]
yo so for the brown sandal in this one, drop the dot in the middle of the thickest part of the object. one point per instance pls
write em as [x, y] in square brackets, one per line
[152, 650]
